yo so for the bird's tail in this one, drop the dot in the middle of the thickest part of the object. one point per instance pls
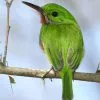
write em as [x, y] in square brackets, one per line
[67, 92]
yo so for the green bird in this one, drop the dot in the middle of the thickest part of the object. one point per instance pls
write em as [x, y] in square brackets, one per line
[61, 40]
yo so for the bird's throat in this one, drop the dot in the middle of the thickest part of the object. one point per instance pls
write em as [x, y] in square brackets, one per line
[44, 19]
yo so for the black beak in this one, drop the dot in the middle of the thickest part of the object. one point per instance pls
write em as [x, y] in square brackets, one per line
[39, 9]
[44, 19]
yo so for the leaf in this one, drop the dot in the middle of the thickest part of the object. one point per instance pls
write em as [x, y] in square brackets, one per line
[12, 80]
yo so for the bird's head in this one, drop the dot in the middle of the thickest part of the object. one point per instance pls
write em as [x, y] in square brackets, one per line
[52, 13]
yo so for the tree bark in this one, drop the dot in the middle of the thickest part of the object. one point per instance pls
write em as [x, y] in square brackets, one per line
[37, 73]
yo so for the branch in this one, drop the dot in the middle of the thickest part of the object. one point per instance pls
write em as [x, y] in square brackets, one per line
[8, 5]
[36, 73]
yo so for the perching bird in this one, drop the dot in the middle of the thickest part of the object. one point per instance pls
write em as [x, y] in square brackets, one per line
[61, 40]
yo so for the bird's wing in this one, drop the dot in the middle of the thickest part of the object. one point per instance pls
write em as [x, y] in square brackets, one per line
[54, 55]
[74, 57]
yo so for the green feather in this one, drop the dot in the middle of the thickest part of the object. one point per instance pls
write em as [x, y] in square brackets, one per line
[67, 92]
[61, 40]
[63, 44]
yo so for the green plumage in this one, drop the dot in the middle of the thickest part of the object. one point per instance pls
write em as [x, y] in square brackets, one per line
[61, 39]
[62, 42]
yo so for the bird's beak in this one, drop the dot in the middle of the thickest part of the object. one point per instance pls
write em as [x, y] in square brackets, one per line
[44, 19]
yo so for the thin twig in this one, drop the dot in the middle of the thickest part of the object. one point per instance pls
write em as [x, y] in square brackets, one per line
[36, 73]
[8, 5]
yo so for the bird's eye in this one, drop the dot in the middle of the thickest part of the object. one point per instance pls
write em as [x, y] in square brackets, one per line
[54, 14]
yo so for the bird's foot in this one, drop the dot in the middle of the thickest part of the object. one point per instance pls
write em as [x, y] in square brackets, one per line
[98, 69]
[51, 69]
[47, 73]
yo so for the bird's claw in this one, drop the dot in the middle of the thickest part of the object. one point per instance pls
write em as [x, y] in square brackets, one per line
[47, 73]
[51, 69]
